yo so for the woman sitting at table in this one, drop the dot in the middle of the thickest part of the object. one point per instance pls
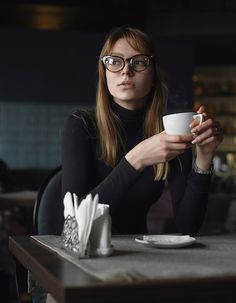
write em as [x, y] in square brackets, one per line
[121, 151]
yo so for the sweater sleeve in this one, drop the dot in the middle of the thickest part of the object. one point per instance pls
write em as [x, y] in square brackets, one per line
[189, 193]
[79, 167]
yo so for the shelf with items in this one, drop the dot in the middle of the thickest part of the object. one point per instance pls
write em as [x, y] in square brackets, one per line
[215, 87]
[228, 144]
[217, 105]
[215, 80]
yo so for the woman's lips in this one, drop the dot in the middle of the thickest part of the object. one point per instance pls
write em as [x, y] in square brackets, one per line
[126, 84]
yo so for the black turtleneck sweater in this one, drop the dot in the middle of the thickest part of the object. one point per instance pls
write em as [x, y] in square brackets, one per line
[129, 193]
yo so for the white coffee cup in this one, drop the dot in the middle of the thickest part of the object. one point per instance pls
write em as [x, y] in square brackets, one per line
[178, 124]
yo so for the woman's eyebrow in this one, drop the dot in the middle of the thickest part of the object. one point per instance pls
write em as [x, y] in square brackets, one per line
[122, 55]
[117, 54]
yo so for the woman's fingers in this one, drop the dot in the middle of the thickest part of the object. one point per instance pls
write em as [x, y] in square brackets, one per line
[178, 138]
[214, 135]
[209, 129]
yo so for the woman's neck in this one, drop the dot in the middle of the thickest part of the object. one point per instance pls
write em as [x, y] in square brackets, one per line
[128, 115]
[131, 105]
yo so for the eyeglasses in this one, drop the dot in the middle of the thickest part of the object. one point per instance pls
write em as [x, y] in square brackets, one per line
[115, 64]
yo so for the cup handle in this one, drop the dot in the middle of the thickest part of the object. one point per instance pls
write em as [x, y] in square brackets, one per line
[200, 118]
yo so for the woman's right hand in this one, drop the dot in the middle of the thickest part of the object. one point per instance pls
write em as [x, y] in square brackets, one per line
[158, 149]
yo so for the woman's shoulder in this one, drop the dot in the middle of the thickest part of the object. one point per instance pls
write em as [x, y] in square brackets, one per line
[86, 116]
[82, 119]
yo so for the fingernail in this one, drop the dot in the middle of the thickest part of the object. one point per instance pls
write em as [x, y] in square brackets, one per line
[194, 141]
[191, 125]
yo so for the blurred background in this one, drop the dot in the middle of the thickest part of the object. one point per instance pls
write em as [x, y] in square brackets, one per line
[48, 67]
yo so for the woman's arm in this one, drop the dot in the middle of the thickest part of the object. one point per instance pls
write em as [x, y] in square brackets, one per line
[190, 189]
[189, 193]
[79, 166]
[77, 157]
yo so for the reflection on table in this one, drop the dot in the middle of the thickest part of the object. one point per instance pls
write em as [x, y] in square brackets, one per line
[203, 272]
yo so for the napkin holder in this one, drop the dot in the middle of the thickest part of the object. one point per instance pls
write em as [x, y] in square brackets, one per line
[99, 236]
[69, 236]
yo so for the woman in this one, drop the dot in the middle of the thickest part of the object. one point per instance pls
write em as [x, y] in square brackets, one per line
[121, 151]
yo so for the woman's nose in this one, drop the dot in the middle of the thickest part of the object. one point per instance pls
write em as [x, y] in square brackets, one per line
[127, 69]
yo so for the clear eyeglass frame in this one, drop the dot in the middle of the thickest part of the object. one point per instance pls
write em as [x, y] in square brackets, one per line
[138, 63]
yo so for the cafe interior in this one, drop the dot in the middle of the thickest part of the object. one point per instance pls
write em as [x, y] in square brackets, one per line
[48, 68]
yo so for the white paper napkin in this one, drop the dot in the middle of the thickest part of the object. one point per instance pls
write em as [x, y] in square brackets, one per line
[68, 205]
[93, 221]
[84, 214]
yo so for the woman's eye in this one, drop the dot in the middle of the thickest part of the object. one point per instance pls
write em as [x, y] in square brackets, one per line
[113, 61]
[139, 62]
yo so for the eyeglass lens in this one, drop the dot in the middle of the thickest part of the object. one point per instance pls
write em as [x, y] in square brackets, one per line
[115, 63]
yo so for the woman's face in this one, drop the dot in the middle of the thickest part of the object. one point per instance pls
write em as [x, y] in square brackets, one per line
[128, 87]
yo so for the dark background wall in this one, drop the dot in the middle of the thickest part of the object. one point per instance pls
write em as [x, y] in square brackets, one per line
[49, 48]
[48, 66]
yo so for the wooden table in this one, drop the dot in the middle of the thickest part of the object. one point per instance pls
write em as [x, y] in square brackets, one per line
[19, 199]
[179, 280]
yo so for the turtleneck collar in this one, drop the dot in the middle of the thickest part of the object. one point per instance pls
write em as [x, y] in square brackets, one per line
[128, 115]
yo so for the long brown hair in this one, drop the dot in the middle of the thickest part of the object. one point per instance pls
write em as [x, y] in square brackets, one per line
[107, 121]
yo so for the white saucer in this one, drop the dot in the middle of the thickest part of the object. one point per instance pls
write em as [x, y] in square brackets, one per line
[165, 241]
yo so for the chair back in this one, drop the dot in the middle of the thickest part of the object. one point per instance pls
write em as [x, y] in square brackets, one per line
[48, 216]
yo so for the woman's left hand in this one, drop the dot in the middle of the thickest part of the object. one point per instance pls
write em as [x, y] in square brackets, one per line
[208, 136]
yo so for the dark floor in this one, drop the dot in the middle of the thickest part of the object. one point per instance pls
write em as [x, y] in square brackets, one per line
[13, 276]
